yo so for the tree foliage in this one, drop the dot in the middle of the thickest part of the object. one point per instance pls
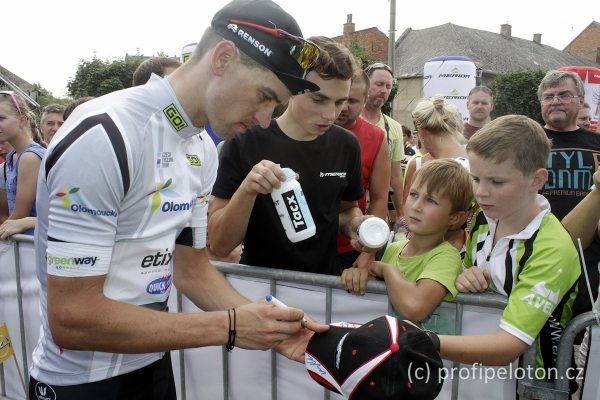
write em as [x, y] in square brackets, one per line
[97, 77]
[516, 93]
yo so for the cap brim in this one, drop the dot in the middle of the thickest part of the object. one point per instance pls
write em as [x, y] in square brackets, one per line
[296, 85]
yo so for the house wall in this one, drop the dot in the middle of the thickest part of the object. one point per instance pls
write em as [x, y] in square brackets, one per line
[586, 45]
[372, 40]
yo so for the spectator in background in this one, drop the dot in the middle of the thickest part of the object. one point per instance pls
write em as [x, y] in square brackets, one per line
[561, 95]
[375, 166]
[20, 170]
[409, 150]
[480, 104]
[5, 148]
[161, 66]
[381, 81]
[584, 116]
[51, 120]
[69, 108]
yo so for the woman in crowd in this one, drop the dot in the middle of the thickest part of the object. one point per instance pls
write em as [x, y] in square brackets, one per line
[18, 127]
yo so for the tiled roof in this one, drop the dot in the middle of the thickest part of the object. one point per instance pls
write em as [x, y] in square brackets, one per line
[490, 51]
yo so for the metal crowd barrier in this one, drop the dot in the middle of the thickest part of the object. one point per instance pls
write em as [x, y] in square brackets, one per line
[527, 389]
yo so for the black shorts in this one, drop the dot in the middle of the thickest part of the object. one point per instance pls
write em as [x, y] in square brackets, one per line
[152, 382]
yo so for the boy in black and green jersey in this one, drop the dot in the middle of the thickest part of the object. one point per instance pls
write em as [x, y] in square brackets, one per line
[516, 248]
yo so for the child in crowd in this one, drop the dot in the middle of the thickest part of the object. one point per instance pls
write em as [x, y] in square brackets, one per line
[516, 248]
[420, 272]
[23, 162]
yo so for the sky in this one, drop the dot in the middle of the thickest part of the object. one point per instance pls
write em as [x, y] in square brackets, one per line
[44, 41]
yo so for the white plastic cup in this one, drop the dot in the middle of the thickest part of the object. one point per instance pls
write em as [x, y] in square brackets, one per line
[373, 232]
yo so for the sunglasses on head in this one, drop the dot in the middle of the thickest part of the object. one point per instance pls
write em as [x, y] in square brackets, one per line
[375, 66]
[11, 94]
[305, 52]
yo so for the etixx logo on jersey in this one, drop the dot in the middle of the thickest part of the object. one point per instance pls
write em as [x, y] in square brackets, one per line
[71, 200]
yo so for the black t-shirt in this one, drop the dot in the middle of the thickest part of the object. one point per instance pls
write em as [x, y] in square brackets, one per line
[330, 171]
[573, 159]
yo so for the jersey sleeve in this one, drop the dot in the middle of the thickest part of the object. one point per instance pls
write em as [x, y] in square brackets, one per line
[200, 209]
[86, 176]
[542, 285]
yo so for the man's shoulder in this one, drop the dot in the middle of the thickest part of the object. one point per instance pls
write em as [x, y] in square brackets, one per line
[363, 124]
[392, 122]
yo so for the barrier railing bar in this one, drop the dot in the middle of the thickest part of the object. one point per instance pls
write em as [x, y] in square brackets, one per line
[21, 312]
[181, 353]
[565, 346]
[273, 290]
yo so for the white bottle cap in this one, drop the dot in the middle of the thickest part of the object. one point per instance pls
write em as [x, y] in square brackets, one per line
[373, 232]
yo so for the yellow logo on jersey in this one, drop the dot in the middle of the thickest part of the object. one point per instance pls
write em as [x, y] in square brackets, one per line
[194, 160]
[175, 118]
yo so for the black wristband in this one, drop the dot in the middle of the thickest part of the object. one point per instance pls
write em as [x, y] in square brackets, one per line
[231, 334]
[435, 340]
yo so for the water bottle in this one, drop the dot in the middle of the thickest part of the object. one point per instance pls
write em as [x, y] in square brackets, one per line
[292, 208]
[373, 232]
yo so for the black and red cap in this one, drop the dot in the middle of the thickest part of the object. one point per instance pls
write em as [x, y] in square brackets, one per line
[270, 36]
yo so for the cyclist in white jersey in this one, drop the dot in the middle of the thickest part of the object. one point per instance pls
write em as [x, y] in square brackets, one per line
[122, 214]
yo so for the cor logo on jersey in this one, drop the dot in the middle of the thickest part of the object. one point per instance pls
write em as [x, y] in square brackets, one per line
[72, 201]
[174, 117]
[162, 189]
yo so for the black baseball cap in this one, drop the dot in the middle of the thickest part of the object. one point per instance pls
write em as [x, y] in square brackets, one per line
[383, 359]
[270, 36]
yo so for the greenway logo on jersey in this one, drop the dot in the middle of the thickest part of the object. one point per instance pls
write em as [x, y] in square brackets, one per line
[174, 117]
[71, 200]
[542, 298]
[160, 285]
[162, 189]
[71, 262]
[246, 36]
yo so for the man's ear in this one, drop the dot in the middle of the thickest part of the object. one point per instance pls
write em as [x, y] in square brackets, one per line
[224, 53]
[540, 176]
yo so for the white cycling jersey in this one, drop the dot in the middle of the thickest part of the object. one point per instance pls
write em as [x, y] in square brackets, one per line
[126, 177]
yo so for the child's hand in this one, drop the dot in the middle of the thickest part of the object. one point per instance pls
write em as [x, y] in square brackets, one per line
[354, 280]
[473, 280]
[376, 269]
[596, 179]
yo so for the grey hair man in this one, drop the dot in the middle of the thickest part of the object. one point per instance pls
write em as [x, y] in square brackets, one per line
[573, 159]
